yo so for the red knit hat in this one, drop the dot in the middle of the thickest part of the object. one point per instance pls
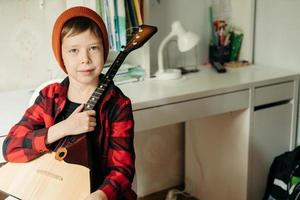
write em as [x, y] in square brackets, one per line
[69, 14]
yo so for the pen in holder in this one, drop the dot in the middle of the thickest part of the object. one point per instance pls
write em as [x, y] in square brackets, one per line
[220, 54]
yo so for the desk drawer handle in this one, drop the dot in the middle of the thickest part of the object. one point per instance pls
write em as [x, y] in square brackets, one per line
[269, 105]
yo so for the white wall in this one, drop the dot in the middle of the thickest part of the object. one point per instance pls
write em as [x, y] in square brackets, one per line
[25, 38]
[243, 18]
[277, 34]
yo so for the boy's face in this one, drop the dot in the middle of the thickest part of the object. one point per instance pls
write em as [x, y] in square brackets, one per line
[83, 57]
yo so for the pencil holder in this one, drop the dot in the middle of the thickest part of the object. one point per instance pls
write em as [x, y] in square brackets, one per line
[219, 54]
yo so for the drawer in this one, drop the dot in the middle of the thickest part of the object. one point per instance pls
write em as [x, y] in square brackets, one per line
[167, 114]
[1, 155]
[273, 93]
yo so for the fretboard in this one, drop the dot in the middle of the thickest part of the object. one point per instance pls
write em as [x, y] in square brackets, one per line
[110, 74]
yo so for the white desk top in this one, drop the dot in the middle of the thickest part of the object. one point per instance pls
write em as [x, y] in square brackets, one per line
[207, 82]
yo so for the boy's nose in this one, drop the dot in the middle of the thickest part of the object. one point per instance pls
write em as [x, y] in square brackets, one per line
[85, 57]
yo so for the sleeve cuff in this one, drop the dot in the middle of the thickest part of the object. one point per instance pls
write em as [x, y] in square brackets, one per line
[109, 190]
[39, 142]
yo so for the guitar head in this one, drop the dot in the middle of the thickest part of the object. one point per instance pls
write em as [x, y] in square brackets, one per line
[140, 37]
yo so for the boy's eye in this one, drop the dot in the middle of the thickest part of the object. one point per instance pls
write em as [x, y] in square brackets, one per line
[93, 48]
[73, 51]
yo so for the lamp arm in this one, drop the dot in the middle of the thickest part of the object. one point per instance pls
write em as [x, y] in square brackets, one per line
[160, 51]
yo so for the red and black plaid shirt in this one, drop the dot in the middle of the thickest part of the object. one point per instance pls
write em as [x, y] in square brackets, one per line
[26, 140]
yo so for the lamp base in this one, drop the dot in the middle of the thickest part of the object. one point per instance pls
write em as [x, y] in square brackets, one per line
[168, 74]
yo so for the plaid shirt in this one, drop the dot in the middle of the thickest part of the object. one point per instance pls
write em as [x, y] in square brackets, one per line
[26, 140]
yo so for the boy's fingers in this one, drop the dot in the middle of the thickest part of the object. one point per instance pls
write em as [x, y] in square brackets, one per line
[92, 124]
[92, 119]
[91, 112]
[78, 109]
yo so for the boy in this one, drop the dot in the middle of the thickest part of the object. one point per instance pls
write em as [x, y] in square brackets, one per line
[80, 45]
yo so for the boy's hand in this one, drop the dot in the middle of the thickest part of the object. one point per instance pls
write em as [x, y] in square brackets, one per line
[98, 195]
[77, 123]
[80, 122]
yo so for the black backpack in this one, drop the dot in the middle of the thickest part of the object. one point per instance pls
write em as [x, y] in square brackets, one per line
[284, 177]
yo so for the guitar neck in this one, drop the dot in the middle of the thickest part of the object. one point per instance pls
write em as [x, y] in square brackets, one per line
[108, 77]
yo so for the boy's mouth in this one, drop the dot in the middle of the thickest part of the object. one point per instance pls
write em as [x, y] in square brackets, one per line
[86, 71]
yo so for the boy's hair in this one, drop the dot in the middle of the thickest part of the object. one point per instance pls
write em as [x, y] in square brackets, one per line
[76, 20]
[78, 25]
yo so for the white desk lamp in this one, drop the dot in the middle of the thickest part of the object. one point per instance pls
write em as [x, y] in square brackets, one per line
[185, 41]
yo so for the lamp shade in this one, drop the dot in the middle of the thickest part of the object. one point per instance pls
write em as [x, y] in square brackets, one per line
[187, 41]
